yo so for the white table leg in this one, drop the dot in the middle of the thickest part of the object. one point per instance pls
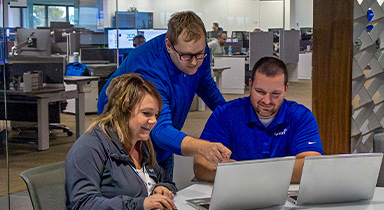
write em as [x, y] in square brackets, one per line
[219, 82]
[43, 124]
[201, 104]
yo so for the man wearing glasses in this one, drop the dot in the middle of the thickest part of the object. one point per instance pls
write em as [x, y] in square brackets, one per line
[177, 63]
[217, 45]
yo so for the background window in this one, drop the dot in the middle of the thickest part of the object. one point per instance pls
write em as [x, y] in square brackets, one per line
[71, 15]
[39, 19]
[57, 13]
[44, 14]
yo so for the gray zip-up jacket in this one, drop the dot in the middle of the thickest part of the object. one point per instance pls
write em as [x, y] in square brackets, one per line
[99, 174]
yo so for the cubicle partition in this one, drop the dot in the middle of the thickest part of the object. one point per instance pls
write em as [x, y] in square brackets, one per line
[260, 45]
[289, 52]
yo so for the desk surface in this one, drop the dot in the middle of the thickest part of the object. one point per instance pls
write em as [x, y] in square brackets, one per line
[220, 67]
[76, 79]
[231, 56]
[202, 190]
[37, 92]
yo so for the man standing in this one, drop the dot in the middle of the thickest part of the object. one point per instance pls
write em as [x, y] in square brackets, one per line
[217, 45]
[216, 27]
[177, 64]
[263, 125]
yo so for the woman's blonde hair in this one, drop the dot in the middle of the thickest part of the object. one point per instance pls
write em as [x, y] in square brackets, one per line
[124, 94]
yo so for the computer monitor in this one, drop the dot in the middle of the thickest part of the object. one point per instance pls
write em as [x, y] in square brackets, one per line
[125, 38]
[10, 32]
[242, 36]
[93, 39]
[89, 55]
[151, 33]
[60, 24]
[306, 33]
[58, 34]
[36, 42]
[235, 46]
[59, 41]
[212, 34]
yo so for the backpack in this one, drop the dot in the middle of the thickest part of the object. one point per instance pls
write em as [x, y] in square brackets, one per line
[77, 69]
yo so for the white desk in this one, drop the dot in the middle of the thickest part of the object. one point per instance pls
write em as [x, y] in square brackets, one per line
[202, 190]
[80, 81]
[91, 98]
[305, 65]
[233, 80]
[217, 74]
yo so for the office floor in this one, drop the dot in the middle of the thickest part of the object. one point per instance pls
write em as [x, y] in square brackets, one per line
[23, 154]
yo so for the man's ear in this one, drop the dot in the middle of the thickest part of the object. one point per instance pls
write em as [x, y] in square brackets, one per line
[250, 83]
[286, 87]
[168, 44]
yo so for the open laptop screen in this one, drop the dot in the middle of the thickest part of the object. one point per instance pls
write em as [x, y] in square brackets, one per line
[338, 178]
[250, 184]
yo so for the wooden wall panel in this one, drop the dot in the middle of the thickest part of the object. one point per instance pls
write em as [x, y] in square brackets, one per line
[332, 69]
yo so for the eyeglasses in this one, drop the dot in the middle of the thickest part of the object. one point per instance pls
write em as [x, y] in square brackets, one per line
[188, 57]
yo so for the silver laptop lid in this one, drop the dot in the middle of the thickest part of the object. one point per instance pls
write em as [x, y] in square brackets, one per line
[252, 184]
[339, 178]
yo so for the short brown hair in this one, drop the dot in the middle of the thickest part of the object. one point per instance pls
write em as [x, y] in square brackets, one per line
[186, 21]
[125, 93]
[270, 66]
[220, 34]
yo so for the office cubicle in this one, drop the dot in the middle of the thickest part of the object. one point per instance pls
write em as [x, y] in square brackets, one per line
[260, 45]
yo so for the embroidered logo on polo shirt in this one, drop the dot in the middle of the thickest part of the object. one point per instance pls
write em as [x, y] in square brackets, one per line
[281, 133]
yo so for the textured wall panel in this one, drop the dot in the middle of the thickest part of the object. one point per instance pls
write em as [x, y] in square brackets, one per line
[367, 89]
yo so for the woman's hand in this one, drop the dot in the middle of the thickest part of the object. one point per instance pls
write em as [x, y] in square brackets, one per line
[158, 201]
[164, 191]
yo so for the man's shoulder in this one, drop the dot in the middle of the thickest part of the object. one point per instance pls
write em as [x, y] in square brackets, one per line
[236, 105]
[213, 43]
[296, 110]
[294, 106]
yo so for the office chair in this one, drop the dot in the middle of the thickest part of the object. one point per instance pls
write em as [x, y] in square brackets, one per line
[17, 103]
[46, 186]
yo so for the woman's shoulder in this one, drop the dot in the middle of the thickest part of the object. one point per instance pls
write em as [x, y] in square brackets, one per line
[90, 140]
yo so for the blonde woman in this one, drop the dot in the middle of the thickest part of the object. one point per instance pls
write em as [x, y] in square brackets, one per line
[113, 165]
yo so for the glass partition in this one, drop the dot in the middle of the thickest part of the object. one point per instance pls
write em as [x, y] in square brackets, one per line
[85, 31]
[4, 167]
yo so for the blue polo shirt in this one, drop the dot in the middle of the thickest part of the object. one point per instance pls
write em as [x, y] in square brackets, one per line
[176, 88]
[235, 124]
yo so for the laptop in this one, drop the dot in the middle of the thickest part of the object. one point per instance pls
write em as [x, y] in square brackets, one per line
[249, 184]
[337, 178]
